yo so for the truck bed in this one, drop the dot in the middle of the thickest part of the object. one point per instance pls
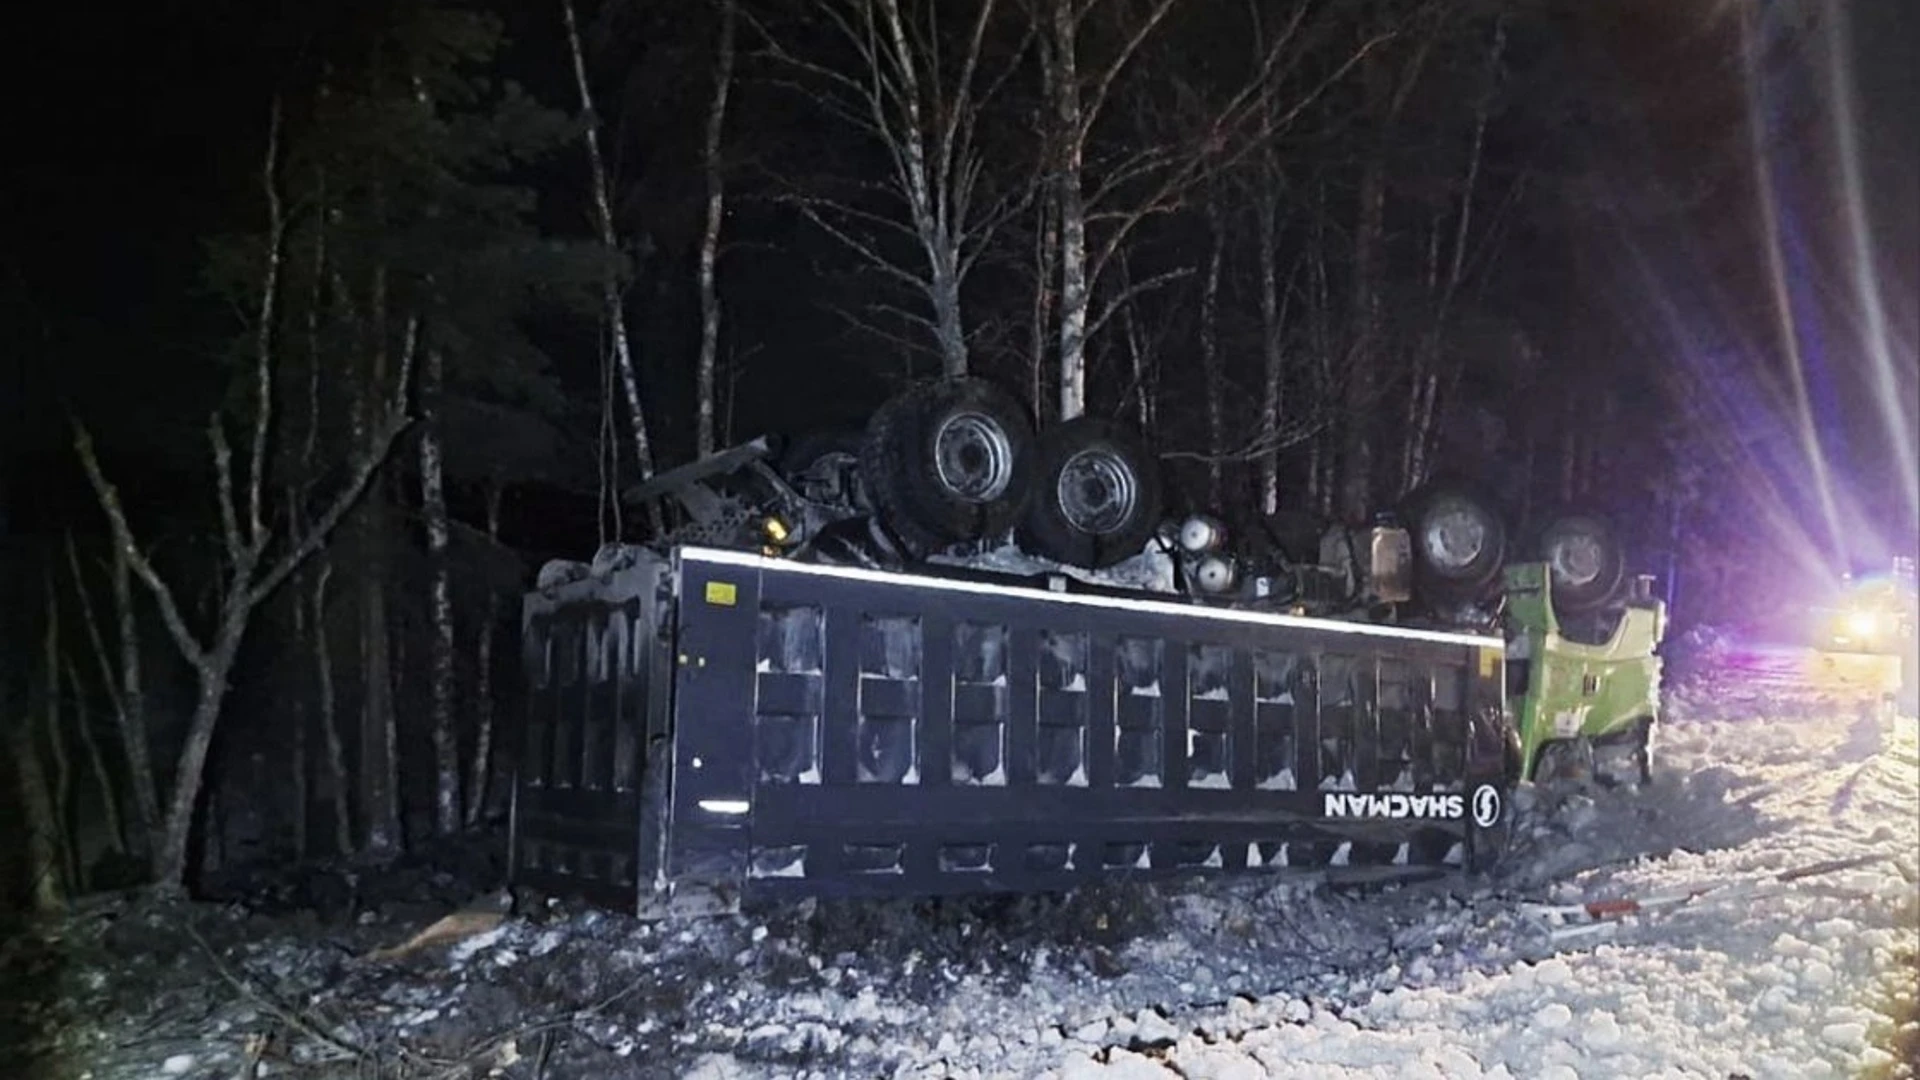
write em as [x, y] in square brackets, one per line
[710, 725]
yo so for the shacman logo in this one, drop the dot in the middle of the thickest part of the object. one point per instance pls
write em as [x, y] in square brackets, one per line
[1393, 805]
[1486, 805]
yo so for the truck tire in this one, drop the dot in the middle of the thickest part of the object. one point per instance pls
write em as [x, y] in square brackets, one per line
[1459, 540]
[1096, 495]
[1585, 559]
[948, 461]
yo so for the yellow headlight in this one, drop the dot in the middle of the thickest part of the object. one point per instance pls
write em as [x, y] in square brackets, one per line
[776, 530]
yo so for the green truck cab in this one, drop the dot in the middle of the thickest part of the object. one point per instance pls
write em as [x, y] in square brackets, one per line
[1583, 691]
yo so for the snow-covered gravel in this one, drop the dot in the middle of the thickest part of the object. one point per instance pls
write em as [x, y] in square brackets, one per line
[1799, 979]
[1224, 978]
[1758, 978]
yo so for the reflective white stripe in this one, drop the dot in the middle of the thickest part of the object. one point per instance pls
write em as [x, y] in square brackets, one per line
[725, 806]
[1156, 607]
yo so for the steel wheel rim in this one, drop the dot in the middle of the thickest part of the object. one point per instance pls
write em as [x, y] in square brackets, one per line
[1576, 560]
[1455, 536]
[973, 457]
[1096, 492]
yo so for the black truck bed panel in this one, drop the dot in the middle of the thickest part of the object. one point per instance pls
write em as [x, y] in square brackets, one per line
[741, 725]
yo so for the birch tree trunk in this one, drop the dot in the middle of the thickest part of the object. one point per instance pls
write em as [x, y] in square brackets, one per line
[1272, 331]
[299, 767]
[1045, 257]
[329, 718]
[482, 764]
[1321, 451]
[379, 742]
[916, 98]
[1212, 375]
[710, 239]
[1359, 387]
[1428, 378]
[614, 309]
[1140, 358]
[433, 505]
[1068, 159]
[1385, 96]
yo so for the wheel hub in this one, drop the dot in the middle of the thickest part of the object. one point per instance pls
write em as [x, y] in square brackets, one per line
[1576, 560]
[1096, 492]
[973, 457]
[1454, 537]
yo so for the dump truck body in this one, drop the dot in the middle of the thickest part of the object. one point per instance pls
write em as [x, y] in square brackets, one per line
[707, 725]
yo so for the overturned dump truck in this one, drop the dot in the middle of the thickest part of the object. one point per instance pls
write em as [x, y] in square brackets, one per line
[945, 655]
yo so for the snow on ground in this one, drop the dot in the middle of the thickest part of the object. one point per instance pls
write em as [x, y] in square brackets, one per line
[1222, 978]
[1799, 979]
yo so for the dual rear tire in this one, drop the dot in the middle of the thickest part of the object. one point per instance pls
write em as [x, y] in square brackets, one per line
[1461, 542]
[957, 461]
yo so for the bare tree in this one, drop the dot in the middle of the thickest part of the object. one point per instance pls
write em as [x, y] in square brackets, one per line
[614, 309]
[131, 708]
[322, 572]
[922, 106]
[1101, 202]
[710, 238]
[1074, 108]
[433, 511]
[123, 692]
[329, 720]
[1211, 370]
[1144, 338]
[482, 761]
[250, 572]
[1385, 89]
[1443, 283]
[1276, 300]
[1268, 183]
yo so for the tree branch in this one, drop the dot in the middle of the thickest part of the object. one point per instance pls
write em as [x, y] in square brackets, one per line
[109, 498]
[369, 463]
[1104, 85]
[223, 485]
[94, 636]
[263, 363]
[866, 251]
[1132, 292]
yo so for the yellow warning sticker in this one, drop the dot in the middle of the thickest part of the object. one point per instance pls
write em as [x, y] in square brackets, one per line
[723, 593]
[1489, 661]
